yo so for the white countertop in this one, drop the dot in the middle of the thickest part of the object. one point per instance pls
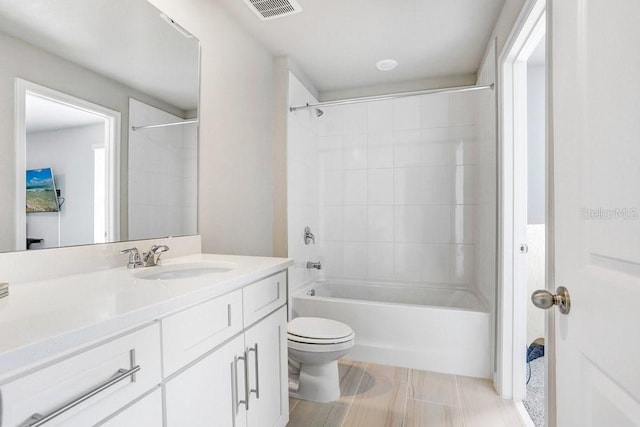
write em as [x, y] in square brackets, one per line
[42, 319]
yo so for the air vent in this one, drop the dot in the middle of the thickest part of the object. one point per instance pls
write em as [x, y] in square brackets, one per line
[272, 9]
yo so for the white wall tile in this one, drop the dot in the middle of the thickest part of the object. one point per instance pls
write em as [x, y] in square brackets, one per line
[464, 145]
[464, 224]
[355, 119]
[392, 174]
[381, 223]
[355, 223]
[380, 187]
[462, 264]
[437, 148]
[434, 111]
[332, 258]
[407, 261]
[331, 188]
[355, 187]
[408, 223]
[355, 260]
[436, 262]
[331, 223]
[463, 109]
[438, 185]
[465, 184]
[380, 150]
[408, 186]
[381, 260]
[354, 152]
[330, 152]
[406, 113]
[407, 149]
[331, 122]
[380, 116]
[436, 224]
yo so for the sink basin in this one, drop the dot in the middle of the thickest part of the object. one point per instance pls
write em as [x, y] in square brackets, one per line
[184, 271]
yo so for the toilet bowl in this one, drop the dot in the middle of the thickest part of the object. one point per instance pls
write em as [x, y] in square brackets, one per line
[316, 344]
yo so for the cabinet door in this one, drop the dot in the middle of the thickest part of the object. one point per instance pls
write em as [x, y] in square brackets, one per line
[208, 393]
[145, 412]
[266, 347]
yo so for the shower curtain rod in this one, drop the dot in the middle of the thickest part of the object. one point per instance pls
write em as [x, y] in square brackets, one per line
[185, 122]
[393, 96]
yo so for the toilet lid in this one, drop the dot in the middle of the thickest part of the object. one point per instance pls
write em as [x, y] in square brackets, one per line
[315, 329]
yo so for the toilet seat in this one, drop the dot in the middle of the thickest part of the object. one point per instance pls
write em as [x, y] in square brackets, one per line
[319, 348]
[318, 331]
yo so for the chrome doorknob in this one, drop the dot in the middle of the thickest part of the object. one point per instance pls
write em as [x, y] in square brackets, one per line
[542, 298]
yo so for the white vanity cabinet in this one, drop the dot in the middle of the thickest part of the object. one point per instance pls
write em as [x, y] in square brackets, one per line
[145, 412]
[212, 360]
[208, 392]
[243, 383]
[268, 398]
[85, 388]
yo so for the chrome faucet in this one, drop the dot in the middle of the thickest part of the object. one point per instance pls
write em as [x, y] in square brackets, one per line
[308, 236]
[134, 258]
[152, 258]
[316, 265]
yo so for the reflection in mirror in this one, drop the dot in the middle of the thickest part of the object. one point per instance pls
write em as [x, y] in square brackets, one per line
[81, 75]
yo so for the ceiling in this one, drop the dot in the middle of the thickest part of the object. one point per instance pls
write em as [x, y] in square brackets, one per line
[43, 115]
[125, 40]
[336, 43]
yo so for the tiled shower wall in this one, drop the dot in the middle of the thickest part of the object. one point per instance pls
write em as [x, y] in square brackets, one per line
[302, 184]
[398, 190]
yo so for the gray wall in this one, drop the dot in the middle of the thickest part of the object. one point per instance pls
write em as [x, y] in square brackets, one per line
[70, 153]
[235, 205]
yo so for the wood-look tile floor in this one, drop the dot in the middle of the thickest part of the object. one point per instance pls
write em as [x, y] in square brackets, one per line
[386, 396]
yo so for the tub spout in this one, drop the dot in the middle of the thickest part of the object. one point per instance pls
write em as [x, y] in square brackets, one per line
[316, 265]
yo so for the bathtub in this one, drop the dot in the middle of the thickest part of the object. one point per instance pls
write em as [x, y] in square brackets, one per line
[434, 329]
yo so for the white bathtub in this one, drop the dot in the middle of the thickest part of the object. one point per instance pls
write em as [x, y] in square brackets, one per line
[442, 330]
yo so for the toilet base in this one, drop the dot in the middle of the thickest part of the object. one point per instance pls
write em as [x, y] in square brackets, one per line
[318, 382]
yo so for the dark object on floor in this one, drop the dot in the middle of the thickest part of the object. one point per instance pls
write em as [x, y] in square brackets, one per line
[534, 351]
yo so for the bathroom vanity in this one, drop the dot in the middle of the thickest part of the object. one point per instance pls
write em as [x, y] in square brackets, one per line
[198, 341]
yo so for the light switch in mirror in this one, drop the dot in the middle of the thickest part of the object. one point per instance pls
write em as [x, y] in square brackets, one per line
[84, 73]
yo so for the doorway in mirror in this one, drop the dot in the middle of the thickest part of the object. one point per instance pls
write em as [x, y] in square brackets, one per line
[77, 141]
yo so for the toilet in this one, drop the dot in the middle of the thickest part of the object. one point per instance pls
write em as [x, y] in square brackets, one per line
[316, 344]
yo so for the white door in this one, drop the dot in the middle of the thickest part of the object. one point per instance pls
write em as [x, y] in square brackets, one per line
[595, 86]
[209, 392]
[268, 397]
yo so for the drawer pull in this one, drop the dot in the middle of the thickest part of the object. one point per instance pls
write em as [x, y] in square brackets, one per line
[257, 389]
[37, 420]
[239, 402]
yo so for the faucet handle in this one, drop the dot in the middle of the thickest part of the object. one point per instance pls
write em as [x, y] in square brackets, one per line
[151, 258]
[134, 257]
[308, 236]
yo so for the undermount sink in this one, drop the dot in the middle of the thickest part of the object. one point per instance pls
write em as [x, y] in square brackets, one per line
[184, 271]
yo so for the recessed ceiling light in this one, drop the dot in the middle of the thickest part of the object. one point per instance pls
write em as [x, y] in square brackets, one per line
[386, 64]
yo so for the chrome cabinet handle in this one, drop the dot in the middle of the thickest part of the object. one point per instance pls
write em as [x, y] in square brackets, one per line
[246, 379]
[37, 420]
[239, 402]
[257, 389]
[542, 298]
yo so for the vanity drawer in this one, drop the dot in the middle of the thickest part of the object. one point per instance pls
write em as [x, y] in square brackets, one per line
[82, 389]
[261, 298]
[193, 332]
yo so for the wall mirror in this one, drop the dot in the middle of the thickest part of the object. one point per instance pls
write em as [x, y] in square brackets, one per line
[98, 123]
